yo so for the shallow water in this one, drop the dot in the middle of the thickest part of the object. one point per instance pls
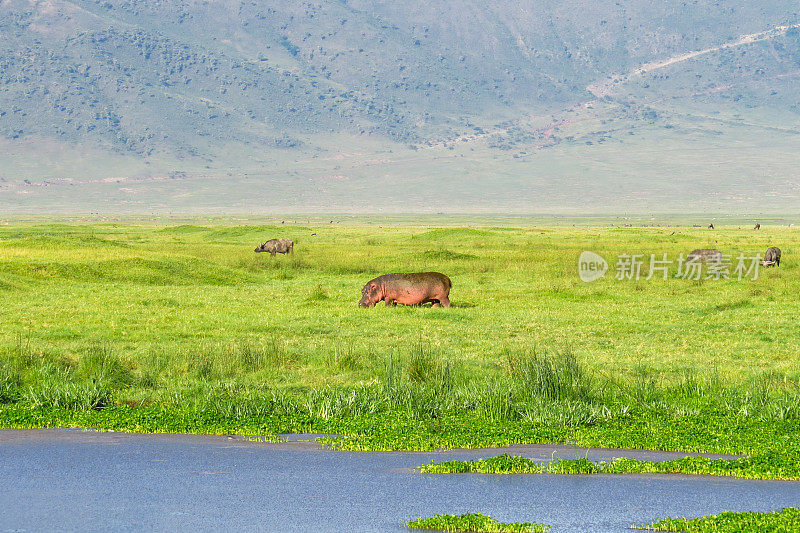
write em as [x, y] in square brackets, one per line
[74, 480]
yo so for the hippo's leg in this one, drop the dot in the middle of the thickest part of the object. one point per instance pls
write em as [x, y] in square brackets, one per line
[272, 254]
[444, 301]
[389, 302]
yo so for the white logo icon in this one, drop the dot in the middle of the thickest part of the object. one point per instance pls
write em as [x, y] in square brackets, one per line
[591, 267]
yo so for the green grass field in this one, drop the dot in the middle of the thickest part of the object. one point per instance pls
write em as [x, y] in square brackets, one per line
[114, 325]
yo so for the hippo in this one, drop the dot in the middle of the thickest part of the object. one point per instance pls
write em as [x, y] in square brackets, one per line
[279, 246]
[705, 255]
[772, 257]
[758, 226]
[408, 289]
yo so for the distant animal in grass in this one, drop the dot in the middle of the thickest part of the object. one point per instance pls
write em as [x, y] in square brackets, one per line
[705, 255]
[407, 289]
[277, 246]
[758, 226]
[711, 226]
[772, 257]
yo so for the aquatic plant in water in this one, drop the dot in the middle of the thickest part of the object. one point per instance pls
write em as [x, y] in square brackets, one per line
[764, 466]
[785, 520]
[474, 522]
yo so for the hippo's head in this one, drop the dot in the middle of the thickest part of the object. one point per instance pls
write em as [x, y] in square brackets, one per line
[369, 295]
[260, 247]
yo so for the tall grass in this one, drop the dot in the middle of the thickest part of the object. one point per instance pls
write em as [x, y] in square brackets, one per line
[542, 388]
[346, 357]
[43, 379]
[424, 365]
[557, 377]
[99, 365]
[77, 396]
[10, 383]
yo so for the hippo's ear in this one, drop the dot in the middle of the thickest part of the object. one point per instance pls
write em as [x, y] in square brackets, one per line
[373, 285]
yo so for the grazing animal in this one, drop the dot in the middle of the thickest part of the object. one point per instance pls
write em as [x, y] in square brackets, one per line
[407, 289]
[758, 226]
[711, 226]
[705, 255]
[277, 246]
[772, 257]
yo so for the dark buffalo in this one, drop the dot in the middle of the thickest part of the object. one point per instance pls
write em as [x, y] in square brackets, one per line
[705, 255]
[772, 257]
[758, 226]
[408, 289]
[277, 246]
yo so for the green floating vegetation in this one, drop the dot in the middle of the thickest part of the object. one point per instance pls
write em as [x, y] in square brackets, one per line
[474, 522]
[766, 466]
[501, 464]
[783, 521]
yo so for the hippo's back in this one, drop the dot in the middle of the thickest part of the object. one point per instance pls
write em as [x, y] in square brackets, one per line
[422, 278]
[417, 279]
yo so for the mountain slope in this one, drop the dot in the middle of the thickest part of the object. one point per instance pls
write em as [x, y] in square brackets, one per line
[296, 104]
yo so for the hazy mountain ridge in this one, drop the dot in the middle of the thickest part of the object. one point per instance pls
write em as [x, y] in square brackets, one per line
[95, 89]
